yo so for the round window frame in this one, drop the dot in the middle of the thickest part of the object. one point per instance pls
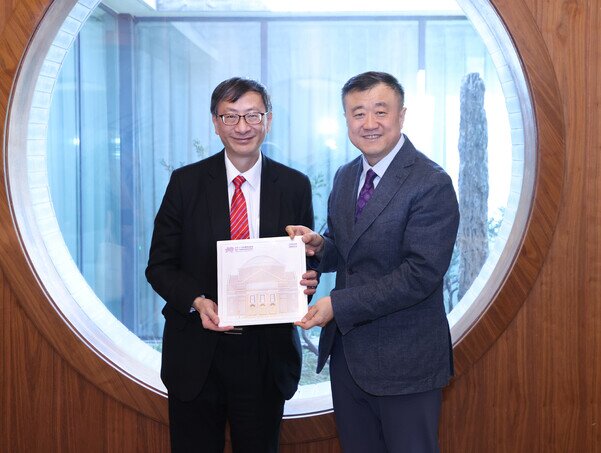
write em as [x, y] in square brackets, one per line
[88, 349]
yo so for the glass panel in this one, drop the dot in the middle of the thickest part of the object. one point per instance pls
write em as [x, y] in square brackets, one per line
[84, 159]
[306, 6]
[132, 103]
[453, 49]
[177, 64]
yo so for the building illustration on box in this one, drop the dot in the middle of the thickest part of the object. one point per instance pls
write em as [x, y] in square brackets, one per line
[261, 287]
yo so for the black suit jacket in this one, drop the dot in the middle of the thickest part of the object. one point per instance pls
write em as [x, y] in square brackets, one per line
[193, 215]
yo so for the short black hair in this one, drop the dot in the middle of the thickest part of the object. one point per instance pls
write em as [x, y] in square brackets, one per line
[231, 90]
[367, 80]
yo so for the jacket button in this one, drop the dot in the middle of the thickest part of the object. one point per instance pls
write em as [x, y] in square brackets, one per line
[350, 271]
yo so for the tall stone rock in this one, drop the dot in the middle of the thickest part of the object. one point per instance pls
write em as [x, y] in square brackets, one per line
[473, 182]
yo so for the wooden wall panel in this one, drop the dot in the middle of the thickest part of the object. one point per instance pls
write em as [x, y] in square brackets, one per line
[48, 407]
[535, 389]
[6, 8]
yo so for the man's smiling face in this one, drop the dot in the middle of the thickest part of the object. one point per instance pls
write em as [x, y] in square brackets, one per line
[374, 118]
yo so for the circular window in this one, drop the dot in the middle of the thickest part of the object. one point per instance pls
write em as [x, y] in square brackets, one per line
[121, 98]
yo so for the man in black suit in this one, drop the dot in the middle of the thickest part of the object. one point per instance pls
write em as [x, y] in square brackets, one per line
[212, 373]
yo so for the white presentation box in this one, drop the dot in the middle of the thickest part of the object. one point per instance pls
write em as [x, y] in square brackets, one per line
[259, 281]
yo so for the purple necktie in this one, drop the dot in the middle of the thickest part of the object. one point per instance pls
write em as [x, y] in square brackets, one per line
[366, 191]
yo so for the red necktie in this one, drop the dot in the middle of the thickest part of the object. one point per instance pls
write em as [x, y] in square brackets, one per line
[238, 215]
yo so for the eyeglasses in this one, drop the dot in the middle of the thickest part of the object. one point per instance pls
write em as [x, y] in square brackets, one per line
[253, 118]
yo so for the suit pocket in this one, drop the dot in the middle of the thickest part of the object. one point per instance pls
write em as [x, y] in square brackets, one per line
[175, 320]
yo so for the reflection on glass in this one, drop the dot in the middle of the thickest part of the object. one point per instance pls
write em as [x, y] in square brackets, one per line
[125, 113]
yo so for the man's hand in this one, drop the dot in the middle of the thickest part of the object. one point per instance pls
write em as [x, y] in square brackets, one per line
[318, 315]
[313, 241]
[207, 309]
[310, 280]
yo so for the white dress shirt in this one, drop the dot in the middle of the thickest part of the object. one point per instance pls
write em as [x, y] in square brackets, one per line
[251, 190]
[381, 167]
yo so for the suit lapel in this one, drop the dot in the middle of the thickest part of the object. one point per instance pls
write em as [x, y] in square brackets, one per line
[348, 202]
[269, 210]
[217, 196]
[389, 185]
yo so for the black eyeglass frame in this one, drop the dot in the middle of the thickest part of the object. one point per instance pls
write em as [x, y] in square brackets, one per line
[261, 116]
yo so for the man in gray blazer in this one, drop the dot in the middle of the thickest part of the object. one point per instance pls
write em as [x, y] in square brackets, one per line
[392, 224]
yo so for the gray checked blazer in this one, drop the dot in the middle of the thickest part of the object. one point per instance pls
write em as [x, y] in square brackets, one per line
[388, 300]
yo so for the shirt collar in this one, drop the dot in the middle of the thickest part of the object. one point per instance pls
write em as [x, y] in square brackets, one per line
[252, 175]
[381, 167]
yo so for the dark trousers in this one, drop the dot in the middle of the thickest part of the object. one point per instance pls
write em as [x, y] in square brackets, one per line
[239, 389]
[381, 424]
